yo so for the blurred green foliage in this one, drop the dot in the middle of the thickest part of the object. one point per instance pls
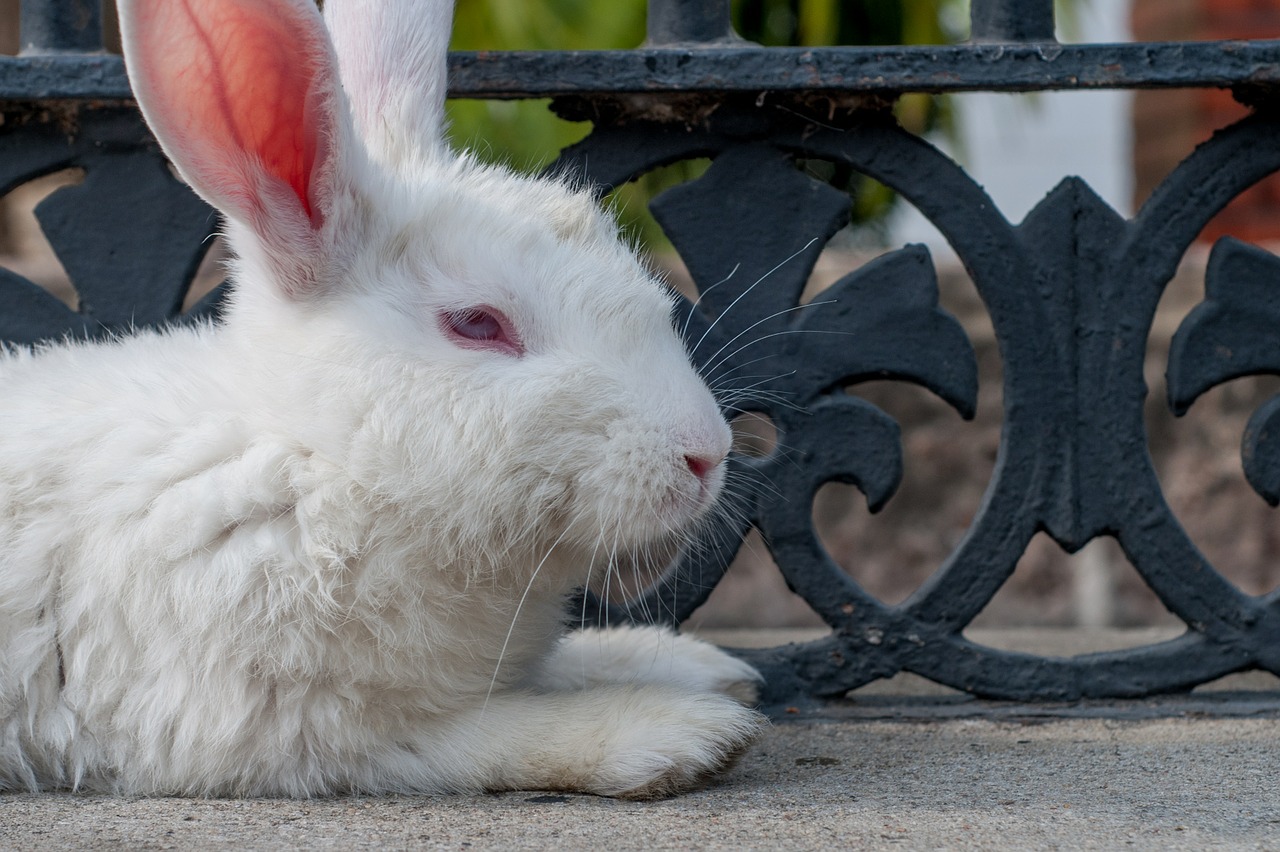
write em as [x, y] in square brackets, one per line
[527, 135]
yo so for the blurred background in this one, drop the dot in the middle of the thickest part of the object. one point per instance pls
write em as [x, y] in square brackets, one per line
[1019, 147]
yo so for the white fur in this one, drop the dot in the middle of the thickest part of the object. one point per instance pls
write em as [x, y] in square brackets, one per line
[322, 547]
[589, 658]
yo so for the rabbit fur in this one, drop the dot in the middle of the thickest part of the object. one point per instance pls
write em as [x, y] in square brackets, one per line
[325, 546]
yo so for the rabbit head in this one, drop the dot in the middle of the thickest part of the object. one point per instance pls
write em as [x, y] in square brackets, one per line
[456, 336]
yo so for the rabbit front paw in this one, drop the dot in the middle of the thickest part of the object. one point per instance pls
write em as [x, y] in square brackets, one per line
[703, 664]
[676, 747]
[647, 655]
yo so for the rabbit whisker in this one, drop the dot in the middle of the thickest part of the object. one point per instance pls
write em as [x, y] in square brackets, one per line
[684, 330]
[745, 292]
[713, 364]
[772, 335]
[502, 653]
[720, 380]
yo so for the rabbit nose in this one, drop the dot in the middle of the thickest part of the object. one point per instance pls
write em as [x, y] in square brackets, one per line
[701, 466]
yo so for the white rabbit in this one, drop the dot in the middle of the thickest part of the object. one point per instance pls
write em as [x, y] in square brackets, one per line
[326, 546]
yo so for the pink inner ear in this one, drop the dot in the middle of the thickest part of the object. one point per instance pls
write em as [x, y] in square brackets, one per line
[235, 77]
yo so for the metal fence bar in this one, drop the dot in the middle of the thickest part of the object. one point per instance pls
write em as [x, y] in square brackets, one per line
[867, 70]
[511, 75]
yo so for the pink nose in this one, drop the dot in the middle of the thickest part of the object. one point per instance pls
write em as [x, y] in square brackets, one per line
[701, 466]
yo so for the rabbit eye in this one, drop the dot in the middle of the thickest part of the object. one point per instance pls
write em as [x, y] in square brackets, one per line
[482, 328]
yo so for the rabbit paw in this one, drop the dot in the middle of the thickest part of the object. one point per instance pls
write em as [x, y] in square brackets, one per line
[704, 665]
[647, 655]
[676, 746]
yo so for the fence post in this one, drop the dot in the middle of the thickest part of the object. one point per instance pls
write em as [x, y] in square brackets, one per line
[689, 21]
[1011, 20]
[60, 26]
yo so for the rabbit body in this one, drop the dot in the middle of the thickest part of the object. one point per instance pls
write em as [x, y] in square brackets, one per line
[326, 545]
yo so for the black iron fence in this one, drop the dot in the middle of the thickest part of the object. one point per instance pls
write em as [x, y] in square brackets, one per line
[1071, 291]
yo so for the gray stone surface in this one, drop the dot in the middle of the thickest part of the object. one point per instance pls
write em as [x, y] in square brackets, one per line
[974, 783]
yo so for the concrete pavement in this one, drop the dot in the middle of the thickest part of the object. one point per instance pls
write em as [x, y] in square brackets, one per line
[974, 783]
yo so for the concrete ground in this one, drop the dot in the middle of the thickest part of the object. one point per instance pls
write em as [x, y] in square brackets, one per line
[901, 772]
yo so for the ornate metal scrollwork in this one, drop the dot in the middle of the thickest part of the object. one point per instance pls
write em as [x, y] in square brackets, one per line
[130, 235]
[1071, 291]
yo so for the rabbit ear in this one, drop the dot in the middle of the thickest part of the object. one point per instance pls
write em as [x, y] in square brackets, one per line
[392, 57]
[244, 98]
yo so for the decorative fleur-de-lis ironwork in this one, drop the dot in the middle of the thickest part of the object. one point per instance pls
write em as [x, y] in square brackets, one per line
[1233, 333]
[1072, 292]
[130, 235]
